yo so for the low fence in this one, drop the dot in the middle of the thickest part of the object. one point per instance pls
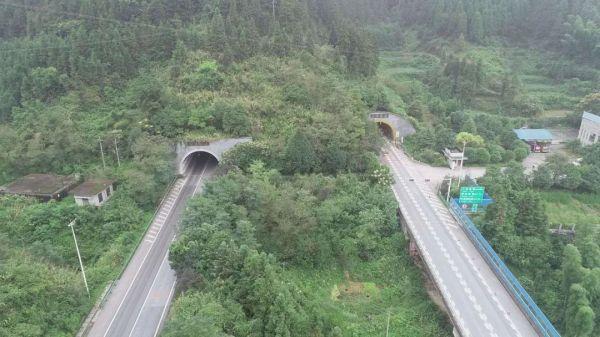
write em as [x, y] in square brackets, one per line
[527, 304]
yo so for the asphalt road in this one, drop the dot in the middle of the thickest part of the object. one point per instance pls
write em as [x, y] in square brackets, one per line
[478, 303]
[139, 302]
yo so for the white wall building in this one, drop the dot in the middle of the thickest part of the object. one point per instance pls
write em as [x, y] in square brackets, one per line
[589, 132]
[93, 192]
[454, 157]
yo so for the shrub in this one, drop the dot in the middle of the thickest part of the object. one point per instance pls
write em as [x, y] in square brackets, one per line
[206, 77]
[521, 153]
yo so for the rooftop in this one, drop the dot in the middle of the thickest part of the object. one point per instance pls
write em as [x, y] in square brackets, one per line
[40, 185]
[534, 134]
[91, 187]
[591, 117]
[454, 154]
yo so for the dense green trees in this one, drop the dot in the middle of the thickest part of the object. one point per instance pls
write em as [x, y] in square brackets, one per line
[42, 291]
[558, 172]
[248, 231]
[570, 26]
[562, 277]
[69, 43]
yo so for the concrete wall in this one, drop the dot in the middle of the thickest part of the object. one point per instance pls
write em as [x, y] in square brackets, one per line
[95, 200]
[216, 148]
[589, 132]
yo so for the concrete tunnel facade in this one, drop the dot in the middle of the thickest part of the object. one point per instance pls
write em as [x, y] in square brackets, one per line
[188, 152]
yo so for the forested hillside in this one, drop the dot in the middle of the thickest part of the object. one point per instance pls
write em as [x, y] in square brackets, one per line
[301, 218]
[140, 76]
[570, 26]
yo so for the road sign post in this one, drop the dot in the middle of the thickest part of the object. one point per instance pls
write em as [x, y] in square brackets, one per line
[471, 195]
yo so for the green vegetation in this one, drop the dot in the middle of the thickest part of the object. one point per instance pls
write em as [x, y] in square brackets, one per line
[263, 254]
[501, 89]
[561, 275]
[571, 208]
[299, 76]
[142, 76]
[558, 172]
[42, 290]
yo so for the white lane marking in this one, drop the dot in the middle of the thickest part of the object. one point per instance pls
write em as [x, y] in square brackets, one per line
[162, 315]
[132, 283]
[148, 295]
[199, 180]
[436, 238]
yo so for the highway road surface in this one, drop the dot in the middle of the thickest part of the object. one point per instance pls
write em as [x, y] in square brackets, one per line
[139, 302]
[479, 304]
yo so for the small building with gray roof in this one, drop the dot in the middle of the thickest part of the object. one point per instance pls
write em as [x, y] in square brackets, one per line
[44, 187]
[93, 192]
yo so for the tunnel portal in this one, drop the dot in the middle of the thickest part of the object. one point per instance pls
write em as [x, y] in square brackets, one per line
[198, 161]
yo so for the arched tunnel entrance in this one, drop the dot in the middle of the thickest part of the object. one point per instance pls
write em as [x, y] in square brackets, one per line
[197, 162]
[386, 130]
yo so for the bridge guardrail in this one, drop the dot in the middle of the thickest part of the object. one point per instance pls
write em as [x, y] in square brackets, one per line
[527, 304]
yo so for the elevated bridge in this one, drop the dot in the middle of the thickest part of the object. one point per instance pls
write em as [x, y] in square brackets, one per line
[482, 297]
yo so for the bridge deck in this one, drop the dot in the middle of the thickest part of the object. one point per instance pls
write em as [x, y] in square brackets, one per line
[478, 302]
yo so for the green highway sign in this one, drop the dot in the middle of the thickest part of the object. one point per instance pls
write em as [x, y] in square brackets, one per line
[471, 195]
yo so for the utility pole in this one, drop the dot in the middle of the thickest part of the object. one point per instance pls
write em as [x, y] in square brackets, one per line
[462, 161]
[71, 224]
[387, 329]
[102, 153]
[273, 2]
[449, 188]
[117, 152]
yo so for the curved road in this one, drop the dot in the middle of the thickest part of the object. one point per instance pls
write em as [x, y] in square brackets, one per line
[139, 301]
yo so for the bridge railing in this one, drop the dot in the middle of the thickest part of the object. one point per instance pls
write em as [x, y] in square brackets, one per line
[527, 304]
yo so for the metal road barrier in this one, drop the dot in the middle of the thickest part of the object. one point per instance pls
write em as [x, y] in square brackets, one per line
[527, 304]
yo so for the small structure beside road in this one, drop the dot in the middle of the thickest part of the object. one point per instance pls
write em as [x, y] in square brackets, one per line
[44, 187]
[589, 131]
[539, 140]
[454, 157]
[93, 192]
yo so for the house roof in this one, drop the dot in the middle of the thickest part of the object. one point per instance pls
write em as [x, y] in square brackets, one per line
[534, 134]
[591, 117]
[40, 185]
[91, 187]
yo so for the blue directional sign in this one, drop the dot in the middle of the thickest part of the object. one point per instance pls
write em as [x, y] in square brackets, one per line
[471, 195]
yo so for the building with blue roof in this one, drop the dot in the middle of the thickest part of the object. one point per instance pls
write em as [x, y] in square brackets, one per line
[539, 140]
[589, 131]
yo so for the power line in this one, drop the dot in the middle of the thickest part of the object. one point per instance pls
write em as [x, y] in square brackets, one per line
[145, 25]
[86, 16]
[74, 44]
[45, 10]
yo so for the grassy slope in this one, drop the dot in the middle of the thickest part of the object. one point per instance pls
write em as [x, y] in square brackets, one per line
[401, 294]
[572, 208]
